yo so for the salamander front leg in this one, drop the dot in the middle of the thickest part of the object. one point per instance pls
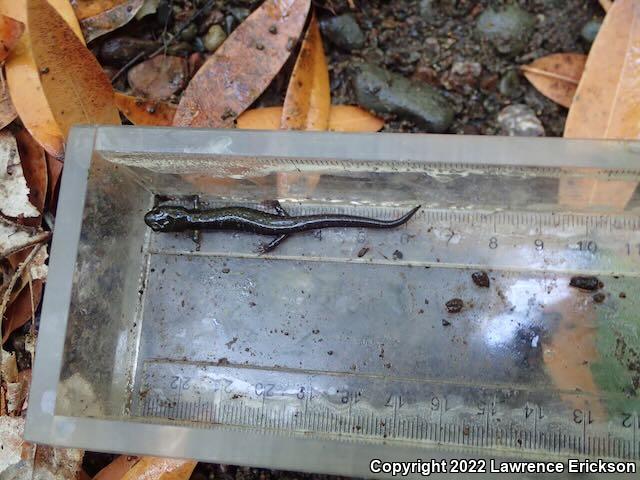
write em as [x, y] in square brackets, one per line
[269, 247]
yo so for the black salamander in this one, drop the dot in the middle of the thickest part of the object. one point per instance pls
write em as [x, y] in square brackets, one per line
[280, 225]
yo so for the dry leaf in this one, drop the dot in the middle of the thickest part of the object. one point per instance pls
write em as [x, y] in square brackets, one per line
[145, 112]
[34, 168]
[11, 431]
[15, 237]
[54, 169]
[14, 193]
[154, 468]
[116, 469]
[51, 463]
[159, 77]
[308, 99]
[7, 110]
[22, 309]
[342, 118]
[10, 31]
[556, 76]
[244, 66]
[24, 82]
[76, 87]
[607, 102]
[98, 17]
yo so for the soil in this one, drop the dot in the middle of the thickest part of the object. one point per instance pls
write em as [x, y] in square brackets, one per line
[401, 39]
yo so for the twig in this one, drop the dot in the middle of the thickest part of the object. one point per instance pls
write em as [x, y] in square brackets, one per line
[165, 45]
[14, 279]
[606, 4]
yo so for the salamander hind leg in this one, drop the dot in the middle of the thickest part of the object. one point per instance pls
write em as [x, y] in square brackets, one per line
[269, 247]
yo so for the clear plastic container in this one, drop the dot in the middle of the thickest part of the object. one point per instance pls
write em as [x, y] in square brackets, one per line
[339, 346]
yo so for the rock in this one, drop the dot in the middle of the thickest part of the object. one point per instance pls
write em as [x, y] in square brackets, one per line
[463, 76]
[239, 13]
[159, 78]
[385, 92]
[214, 17]
[519, 120]
[214, 38]
[343, 31]
[508, 29]
[119, 50]
[510, 85]
[189, 33]
[590, 30]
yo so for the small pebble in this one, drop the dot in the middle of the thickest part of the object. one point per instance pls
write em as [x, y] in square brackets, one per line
[445, 323]
[363, 251]
[481, 279]
[214, 38]
[397, 255]
[454, 305]
[590, 30]
[189, 33]
[226, 270]
[586, 283]
[508, 28]
[510, 85]
[273, 29]
[343, 31]
[599, 297]
[622, 295]
[520, 120]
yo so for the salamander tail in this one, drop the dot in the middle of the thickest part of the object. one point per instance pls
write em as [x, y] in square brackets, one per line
[406, 217]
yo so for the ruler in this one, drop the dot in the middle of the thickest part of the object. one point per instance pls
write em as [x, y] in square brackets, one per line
[345, 334]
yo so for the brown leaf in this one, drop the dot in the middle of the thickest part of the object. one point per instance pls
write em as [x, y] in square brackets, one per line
[22, 308]
[76, 87]
[607, 102]
[98, 17]
[118, 468]
[145, 112]
[342, 118]
[308, 99]
[556, 76]
[34, 167]
[7, 110]
[10, 31]
[24, 82]
[54, 170]
[159, 78]
[154, 468]
[242, 68]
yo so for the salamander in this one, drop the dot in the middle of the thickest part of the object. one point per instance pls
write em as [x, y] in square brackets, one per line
[280, 224]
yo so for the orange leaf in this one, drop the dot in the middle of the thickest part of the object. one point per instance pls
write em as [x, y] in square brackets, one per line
[24, 82]
[154, 468]
[7, 110]
[76, 87]
[10, 31]
[98, 17]
[34, 167]
[118, 468]
[308, 99]
[244, 66]
[607, 102]
[556, 76]
[145, 112]
[22, 308]
[350, 118]
[342, 118]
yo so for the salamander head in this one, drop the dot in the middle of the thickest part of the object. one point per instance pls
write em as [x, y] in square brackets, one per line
[165, 219]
